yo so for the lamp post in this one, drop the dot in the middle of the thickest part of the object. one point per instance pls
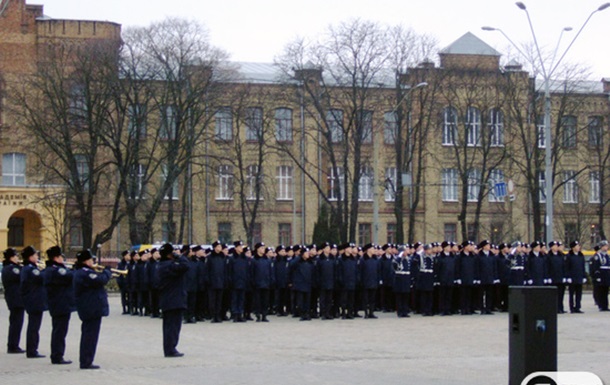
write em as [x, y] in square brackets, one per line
[547, 73]
[408, 90]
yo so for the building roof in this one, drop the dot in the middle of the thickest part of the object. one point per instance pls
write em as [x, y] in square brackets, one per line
[469, 44]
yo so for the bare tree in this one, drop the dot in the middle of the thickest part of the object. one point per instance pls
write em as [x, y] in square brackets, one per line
[66, 106]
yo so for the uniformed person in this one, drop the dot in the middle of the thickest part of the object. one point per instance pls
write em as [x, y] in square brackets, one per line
[190, 253]
[282, 294]
[34, 299]
[487, 277]
[370, 275]
[555, 265]
[536, 265]
[600, 273]
[239, 269]
[466, 270]
[347, 280]
[386, 296]
[424, 280]
[402, 282]
[91, 304]
[122, 281]
[11, 280]
[576, 276]
[60, 298]
[301, 276]
[172, 296]
[153, 279]
[261, 277]
[327, 277]
[446, 277]
[216, 270]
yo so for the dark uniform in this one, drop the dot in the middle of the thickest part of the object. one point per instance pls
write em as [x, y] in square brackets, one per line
[282, 293]
[91, 304]
[347, 278]
[386, 295]
[466, 272]
[600, 274]
[60, 298]
[327, 277]
[143, 284]
[301, 276]
[34, 299]
[172, 297]
[122, 281]
[370, 275]
[446, 277]
[518, 265]
[555, 265]
[133, 283]
[191, 284]
[153, 279]
[487, 277]
[424, 282]
[216, 279]
[261, 277]
[536, 267]
[504, 268]
[575, 276]
[239, 271]
[11, 280]
[402, 283]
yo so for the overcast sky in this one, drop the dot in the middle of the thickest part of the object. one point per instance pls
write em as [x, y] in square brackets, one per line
[257, 30]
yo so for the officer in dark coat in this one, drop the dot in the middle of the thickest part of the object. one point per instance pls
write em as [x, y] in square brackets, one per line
[217, 272]
[424, 280]
[11, 280]
[301, 276]
[347, 278]
[34, 299]
[386, 296]
[143, 283]
[446, 277]
[261, 277]
[327, 277]
[60, 297]
[122, 281]
[466, 270]
[488, 276]
[190, 253]
[503, 266]
[133, 282]
[282, 294]
[172, 296]
[575, 275]
[518, 265]
[153, 279]
[600, 274]
[402, 284]
[238, 275]
[555, 265]
[370, 275]
[91, 304]
[536, 266]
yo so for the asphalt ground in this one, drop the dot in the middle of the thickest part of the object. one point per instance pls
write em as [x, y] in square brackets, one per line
[418, 350]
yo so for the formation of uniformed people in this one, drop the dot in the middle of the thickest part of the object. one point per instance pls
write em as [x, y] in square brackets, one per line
[33, 288]
[191, 284]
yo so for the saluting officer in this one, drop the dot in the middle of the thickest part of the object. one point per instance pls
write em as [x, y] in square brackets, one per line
[172, 296]
[60, 297]
[34, 299]
[11, 280]
[91, 304]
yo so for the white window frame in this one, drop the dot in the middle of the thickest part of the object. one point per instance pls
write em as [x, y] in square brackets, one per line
[136, 115]
[174, 188]
[389, 192]
[495, 176]
[449, 183]
[332, 180]
[540, 129]
[496, 127]
[474, 184]
[137, 176]
[253, 178]
[594, 187]
[254, 124]
[390, 127]
[367, 127]
[225, 182]
[542, 186]
[224, 124]
[284, 183]
[334, 122]
[595, 131]
[169, 121]
[450, 123]
[366, 184]
[473, 127]
[13, 169]
[570, 187]
[569, 124]
[283, 124]
[82, 169]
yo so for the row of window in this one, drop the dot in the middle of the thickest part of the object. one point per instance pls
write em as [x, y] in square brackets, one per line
[449, 183]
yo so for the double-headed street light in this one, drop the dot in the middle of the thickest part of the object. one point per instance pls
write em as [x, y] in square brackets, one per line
[547, 73]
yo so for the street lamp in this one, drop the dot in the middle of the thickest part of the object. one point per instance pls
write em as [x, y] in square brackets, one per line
[547, 73]
[408, 90]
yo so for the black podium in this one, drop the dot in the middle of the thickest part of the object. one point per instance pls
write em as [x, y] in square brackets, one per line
[532, 331]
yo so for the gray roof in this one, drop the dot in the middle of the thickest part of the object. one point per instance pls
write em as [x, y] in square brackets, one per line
[469, 44]
[258, 72]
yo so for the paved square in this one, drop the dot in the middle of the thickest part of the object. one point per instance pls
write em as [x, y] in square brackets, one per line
[456, 350]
